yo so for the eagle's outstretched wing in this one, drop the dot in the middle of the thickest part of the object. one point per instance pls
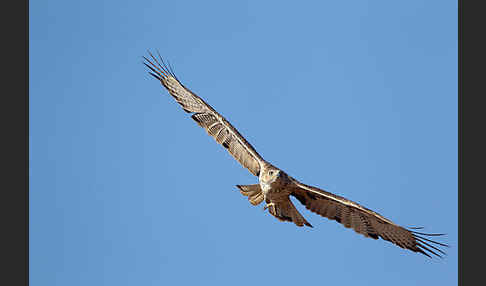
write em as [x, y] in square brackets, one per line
[363, 220]
[215, 124]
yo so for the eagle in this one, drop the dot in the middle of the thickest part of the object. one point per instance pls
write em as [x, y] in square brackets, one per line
[275, 186]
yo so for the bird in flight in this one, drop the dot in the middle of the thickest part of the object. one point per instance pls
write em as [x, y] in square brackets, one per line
[275, 186]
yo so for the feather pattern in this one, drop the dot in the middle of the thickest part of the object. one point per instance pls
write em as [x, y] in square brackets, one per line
[206, 117]
[363, 220]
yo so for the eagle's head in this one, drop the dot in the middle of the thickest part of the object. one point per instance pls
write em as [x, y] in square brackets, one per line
[273, 177]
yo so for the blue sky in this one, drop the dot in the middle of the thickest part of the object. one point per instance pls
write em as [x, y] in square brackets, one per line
[356, 97]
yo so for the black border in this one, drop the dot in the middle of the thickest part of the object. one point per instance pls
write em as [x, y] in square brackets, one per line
[471, 77]
[15, 160]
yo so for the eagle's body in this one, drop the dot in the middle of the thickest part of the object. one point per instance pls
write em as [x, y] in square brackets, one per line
[275, 186]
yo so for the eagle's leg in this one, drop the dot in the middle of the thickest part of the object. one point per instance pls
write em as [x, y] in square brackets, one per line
[269, 205]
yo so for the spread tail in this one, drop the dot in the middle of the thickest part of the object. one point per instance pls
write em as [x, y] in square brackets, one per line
[286, 211]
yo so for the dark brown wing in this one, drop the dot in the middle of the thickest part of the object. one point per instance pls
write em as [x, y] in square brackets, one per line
[363, 220]
[215, 124]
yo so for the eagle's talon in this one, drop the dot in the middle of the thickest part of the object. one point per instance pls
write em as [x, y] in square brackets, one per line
[268, 205]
